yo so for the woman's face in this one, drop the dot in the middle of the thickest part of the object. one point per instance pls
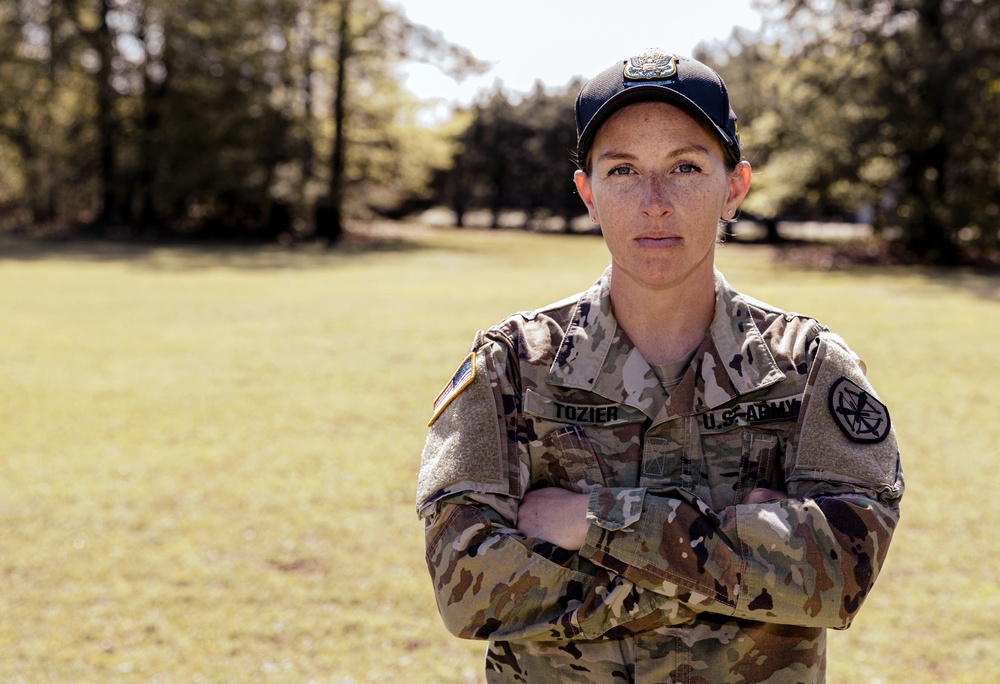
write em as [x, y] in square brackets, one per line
[658, 186]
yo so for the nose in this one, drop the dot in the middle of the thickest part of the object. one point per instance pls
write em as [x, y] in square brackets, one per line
[654, 198]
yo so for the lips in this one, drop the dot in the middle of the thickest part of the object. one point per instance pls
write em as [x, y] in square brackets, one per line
[658, 239]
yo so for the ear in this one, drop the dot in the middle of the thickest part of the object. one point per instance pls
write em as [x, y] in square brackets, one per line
[583, 189]
[739, 186]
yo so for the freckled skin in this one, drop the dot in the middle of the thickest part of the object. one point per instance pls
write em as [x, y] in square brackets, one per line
[658, 187]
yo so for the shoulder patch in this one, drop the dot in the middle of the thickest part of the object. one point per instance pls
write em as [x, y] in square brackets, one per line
[463, 377]
[859, 415]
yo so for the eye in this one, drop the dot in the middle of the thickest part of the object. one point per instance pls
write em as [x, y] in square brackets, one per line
[621, 170]
[689, 168]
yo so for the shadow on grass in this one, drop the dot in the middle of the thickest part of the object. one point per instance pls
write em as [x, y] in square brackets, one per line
[985, 284]
[180, 254]
[980, 277]
[377, 239]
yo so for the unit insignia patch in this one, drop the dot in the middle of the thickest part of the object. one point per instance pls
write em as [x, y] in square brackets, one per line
[858, 414]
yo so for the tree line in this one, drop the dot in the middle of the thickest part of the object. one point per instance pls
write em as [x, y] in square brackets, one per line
[884, 109]
[284, 117]
[253, 117]
[515, 155]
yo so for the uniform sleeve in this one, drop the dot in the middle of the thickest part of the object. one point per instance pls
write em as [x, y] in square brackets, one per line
[489, 580]
[810, 560]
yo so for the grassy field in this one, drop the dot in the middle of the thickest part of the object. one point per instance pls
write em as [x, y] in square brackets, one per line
[208, 456]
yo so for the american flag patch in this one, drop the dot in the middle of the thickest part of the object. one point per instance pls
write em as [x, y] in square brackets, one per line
[463, 377]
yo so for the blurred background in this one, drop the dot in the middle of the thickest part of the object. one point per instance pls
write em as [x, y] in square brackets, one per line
[282, 120]
[231, 287]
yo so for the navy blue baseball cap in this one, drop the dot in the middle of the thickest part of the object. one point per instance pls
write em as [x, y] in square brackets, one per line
[657, 76]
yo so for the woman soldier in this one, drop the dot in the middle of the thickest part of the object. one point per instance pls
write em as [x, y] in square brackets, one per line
[659, 479]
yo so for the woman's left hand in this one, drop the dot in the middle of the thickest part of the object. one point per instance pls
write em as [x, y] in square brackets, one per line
[556, 515]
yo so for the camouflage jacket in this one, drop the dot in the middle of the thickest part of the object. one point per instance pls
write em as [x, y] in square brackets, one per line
[677, 581]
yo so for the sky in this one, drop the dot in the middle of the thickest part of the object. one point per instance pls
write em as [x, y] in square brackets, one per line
[553, 41]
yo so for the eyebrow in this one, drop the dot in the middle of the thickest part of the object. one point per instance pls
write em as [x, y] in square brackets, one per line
[626, 156]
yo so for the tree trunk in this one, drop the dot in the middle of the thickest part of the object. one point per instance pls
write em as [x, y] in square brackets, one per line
[106, 121]
[329, 214]
[152, 96]
[308, 45]
[771, 226]
[46, 203]
[930, 232]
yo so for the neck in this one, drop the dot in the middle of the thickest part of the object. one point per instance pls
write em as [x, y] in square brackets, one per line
[664, 324]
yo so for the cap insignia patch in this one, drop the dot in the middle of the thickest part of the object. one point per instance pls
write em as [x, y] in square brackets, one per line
[650, 65]
[859, 415]
[463, 377]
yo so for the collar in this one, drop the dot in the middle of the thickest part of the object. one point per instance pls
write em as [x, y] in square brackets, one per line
[596, 356]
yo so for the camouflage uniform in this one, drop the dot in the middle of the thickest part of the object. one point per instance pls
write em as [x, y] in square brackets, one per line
[677, 581]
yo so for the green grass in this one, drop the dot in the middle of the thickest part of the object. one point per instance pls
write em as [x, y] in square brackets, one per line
[208, 457]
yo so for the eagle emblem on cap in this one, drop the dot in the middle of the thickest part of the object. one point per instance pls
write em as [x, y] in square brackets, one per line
[650, 65]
